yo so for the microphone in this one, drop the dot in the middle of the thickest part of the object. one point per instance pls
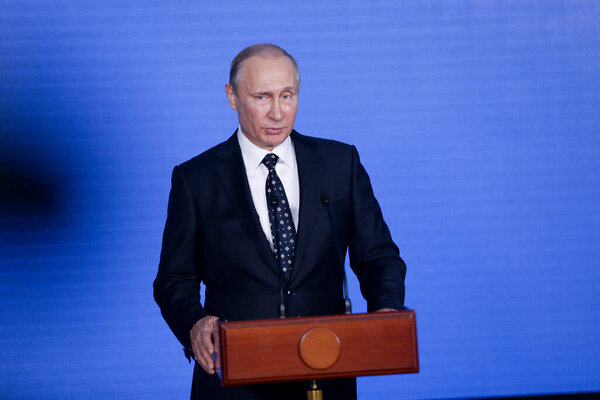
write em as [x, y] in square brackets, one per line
[274, 200]
[327, 203]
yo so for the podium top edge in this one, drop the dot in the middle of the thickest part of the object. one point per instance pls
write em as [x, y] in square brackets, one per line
[402, 314]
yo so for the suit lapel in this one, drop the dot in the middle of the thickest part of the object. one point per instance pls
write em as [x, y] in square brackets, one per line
[310, 186]
[233, 176]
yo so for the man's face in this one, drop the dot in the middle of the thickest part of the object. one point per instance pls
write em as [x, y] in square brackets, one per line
[266, 99]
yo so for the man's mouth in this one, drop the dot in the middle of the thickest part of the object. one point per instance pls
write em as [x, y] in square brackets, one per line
[274, 131]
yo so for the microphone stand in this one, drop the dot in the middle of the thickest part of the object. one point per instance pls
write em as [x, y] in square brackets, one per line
[326, 202]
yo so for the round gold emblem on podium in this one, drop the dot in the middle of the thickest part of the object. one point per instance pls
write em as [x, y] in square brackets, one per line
[319, 348]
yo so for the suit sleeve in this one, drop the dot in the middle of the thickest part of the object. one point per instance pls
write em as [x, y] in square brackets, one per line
[177, 284]
[374, 257]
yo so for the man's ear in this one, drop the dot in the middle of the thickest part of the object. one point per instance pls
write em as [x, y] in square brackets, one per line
[231, 96]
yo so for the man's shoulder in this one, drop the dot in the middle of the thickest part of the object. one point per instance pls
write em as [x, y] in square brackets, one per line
[208, 159]
[321, 145]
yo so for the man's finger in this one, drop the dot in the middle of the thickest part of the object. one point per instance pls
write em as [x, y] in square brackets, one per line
[207, 341]
[207, 364]
[207, 349]
[204, 359]
[201, 355]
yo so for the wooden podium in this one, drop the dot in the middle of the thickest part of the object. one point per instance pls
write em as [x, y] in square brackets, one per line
[311, 348]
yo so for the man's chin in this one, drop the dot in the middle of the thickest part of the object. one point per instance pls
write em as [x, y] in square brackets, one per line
[271, 141]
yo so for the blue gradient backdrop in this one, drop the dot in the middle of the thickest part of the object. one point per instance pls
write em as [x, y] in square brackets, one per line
[478, 122]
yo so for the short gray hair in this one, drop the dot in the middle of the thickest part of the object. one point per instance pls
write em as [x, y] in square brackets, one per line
[255, 50]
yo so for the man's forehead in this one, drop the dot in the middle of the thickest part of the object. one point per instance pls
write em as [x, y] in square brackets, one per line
[268, 57]
[270, 65]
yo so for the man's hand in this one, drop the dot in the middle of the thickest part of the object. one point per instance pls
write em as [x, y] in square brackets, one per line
[386, 309]
[202, 336]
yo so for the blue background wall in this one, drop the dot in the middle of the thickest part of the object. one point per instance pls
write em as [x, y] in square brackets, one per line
[477, 121]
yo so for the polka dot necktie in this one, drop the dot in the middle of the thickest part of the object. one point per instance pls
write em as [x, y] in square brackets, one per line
[283, 231]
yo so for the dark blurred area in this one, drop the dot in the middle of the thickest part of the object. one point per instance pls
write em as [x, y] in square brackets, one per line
[28, 188]
[34, 177]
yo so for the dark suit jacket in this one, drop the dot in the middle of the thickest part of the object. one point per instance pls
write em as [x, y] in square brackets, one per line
[213, 235]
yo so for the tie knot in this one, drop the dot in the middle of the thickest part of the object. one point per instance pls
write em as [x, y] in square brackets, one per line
[270, 160]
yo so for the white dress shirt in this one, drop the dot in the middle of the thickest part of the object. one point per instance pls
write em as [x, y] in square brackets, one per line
[257, 172]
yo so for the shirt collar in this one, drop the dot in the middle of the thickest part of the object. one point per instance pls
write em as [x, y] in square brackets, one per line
[253, 155]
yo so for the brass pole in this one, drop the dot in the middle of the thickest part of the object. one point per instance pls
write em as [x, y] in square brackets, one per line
[314, 393]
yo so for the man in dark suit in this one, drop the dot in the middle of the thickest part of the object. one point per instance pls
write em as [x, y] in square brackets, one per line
[249, 218]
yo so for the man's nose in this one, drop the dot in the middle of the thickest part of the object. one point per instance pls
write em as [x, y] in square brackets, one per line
[275, 111]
